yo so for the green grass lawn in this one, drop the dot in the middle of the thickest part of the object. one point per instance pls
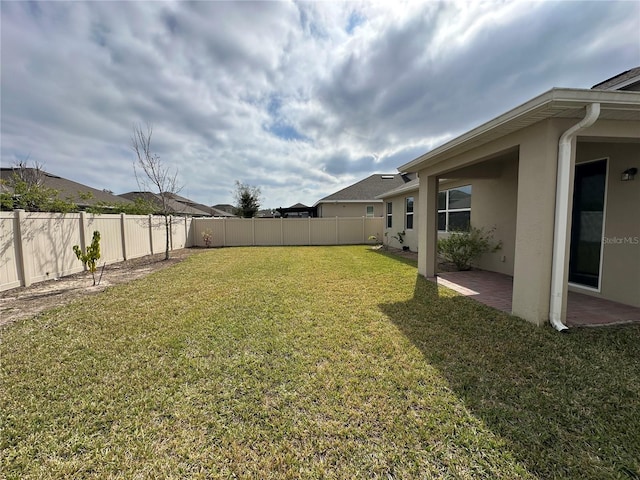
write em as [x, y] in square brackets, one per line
[311, 362]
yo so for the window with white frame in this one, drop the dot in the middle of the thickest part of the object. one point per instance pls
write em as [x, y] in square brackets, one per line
[389, 214]
[454, 209]
[369, 210]
[408, 221]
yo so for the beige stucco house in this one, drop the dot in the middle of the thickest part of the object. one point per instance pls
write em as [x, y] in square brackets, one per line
[557, 178]
[400, 216]
[361, 198]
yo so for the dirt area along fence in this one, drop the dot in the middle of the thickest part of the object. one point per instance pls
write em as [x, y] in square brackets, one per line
[39, 246]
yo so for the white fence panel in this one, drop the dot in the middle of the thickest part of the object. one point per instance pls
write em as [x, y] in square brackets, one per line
[296, 231]
[9, 270]
[158, 234]
[289, 231]
[137, 235]
[110, 228]
[350, 232]
[324, 231]
[178, 232]
[239, 232]
[215, 226]
[267, 231]
[47, 243]
[374, 226]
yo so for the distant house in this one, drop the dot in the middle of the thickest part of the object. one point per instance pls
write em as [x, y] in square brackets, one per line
[82, 195]
[299, 210]
[556, 178]
[211, 211]
[266, 213]
[178, 205]
[361, 198]
[626, 81]
[225, 207]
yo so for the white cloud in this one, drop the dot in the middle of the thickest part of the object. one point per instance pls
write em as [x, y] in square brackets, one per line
[299, 98]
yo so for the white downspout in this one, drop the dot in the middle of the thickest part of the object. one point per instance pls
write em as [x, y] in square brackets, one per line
[562, 223]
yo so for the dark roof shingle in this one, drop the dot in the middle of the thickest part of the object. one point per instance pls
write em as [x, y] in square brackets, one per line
[369, 188]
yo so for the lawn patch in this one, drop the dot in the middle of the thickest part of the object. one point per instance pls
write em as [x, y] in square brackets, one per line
[310, 362]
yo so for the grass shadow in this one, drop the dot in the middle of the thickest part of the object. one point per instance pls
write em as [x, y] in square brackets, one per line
[567, 405]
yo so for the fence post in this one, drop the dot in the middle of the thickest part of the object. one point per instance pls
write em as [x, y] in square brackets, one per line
[253, 230]
[186, 232]
[123, 230]
[151, 233]
[83, 234]
[309, 218]
[364, 240]
[170, 232]
[224, 231]
[281, 231]
[337, 235]
[22, 260]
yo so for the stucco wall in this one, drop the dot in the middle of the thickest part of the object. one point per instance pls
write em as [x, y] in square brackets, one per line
[493, 205]
[349, 209]
[620, 279]
[398, 222]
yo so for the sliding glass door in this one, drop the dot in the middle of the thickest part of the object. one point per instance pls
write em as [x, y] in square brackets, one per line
[587, 223]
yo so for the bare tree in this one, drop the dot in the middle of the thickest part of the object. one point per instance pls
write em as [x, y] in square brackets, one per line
[32, 176]
[156, 177]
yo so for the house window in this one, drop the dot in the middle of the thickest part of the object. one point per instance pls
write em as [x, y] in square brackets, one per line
[389, 214]
[408, 222]
[454, 209]
[369, 210]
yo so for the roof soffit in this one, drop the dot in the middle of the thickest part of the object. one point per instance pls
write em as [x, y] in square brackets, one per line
[556, 103]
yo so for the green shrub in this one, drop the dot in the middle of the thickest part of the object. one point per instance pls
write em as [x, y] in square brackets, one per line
[463, 247]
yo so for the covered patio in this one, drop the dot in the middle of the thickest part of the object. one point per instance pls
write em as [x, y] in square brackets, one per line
[522, 171]
[496, 290]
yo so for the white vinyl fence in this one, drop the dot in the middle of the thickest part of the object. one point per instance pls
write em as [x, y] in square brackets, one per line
[39, 246]
[236, 232]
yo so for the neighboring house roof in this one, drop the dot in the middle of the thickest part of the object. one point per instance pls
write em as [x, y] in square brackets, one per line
[411, 186]
[69, 190]
[265, 213]
[176, 207]
[225, 207]
[298, 210]
[555, 103]
[629, 80]
[214, 212]
[220, 213]
[369, 189]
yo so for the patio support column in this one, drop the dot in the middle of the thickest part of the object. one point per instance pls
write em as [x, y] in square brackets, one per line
[428, 229]
[534, 223]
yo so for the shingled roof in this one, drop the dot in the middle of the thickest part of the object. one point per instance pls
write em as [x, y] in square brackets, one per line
[177, 204]
[68, 189]
[629, 80]
[369, 188]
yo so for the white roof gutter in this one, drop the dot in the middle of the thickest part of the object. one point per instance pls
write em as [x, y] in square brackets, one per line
[562, 222]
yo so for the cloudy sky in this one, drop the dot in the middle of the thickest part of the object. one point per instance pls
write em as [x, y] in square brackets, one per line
[298, 98]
